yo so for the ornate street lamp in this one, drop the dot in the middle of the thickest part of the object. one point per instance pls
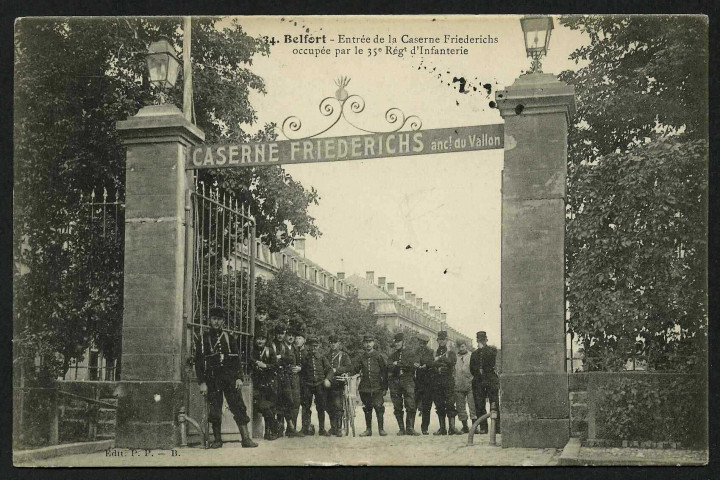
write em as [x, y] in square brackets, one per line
[537, 30]
[163, 65]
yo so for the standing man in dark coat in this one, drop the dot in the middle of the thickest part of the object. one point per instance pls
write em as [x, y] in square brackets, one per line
[486, 384]
[401, 379]
[444, 385]
[315, 376]
[341, 365]
[373, 384]
[424, 361]
[264, 368]
[217, 366]
[302, 352]
[283, 392]
[290, 363]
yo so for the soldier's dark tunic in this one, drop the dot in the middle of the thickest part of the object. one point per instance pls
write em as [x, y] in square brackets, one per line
[423, 383]
[288, 382]
[217, 364]
[265, 383]
[301, 353]
[341, 364]
[315, 370]
[401, 380]
[486, 385]
[373, 382]
[444, 382]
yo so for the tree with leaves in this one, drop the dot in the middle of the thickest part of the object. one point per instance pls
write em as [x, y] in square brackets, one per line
[636, 235]
[74, 79]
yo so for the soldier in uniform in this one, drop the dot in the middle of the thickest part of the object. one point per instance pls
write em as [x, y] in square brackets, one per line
[302, 351]
[444, 385]
[264, 367]
[424, 360]
[315, 376]
[290, 391]
[463, 386]
[341, 364]
[401, 380]
[373, 384]
[486, 384]
[217, 367]
[278, 346]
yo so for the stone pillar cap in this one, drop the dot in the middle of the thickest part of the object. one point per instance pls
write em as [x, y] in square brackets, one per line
[156, 121]
[535, 93]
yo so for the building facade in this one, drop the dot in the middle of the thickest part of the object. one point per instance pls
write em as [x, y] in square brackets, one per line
[402, 310]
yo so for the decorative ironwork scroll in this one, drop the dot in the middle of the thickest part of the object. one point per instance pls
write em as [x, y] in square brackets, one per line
[343, 105]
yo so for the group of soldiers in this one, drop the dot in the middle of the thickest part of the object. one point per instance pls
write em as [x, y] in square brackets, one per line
[289, 372]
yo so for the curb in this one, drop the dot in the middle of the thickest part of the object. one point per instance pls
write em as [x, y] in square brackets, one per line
[571, 457]
[26, 456]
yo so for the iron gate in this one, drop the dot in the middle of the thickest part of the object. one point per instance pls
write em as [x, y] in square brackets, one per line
[220, 263]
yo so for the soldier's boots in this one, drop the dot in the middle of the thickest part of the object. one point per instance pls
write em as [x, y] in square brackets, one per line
[291, 432]
[381, 420]
[401, 423]
[368, 425]
[270, 428]
[321, 425]
[465, 428]
[246, 442]
[452, 430]
[442, 430]
[280, 425]
[424, 424]
[410, 425]
[217, 434]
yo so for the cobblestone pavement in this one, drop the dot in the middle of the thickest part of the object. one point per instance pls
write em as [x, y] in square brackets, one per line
[375, 450]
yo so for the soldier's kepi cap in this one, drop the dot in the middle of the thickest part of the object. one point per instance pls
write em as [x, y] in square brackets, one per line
[261, 333]
[482, 335]
[216, 312]
[280, 328]
[399, 337]
[442, 335]
[460, 341]
[313, 340]
[368, 338]
[333, 339]
[423, 338]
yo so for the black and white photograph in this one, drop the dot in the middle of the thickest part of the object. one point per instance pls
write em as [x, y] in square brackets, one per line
[399, 240]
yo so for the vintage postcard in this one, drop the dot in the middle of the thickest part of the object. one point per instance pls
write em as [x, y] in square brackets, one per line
[370, 240]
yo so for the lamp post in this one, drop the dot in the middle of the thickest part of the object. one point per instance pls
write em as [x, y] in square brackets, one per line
[163, 65]
[536, 30]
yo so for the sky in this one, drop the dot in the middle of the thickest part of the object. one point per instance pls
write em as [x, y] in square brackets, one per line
[445, 207]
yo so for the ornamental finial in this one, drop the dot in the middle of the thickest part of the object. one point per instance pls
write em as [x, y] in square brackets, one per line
[341, 94]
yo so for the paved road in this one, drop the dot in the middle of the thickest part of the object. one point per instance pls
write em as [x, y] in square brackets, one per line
[375, 450]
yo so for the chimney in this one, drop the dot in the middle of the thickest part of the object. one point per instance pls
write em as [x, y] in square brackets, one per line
[400, 291]
[437, 312]
[341, 275]
[370, 276]
[444, 317]
[390, 287]
[412, 299]
[419, 303]
[408, 297]
[299, 245]
[425, 306]
[381, 282]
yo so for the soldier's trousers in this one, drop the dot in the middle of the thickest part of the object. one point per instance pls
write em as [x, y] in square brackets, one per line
[224, 385]
[335, 405]
[402, 390]
[265, 403]
[444, 396]
[465, 393]
[423, 401]
[487, 390]
[320, 393]
[289, 396]
[373, 401]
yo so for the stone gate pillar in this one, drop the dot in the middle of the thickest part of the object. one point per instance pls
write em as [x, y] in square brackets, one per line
[152, 390]
[534, 383]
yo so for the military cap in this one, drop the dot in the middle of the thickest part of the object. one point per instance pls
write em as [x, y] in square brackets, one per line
[333, 339]
[297, 332]
[399, 337]
[423, 338]
[460, 341]
[442, 335]
[481, 334]
[368, 338]
[261, 333]
[217, 312]
[313, 340]
[280, 328]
